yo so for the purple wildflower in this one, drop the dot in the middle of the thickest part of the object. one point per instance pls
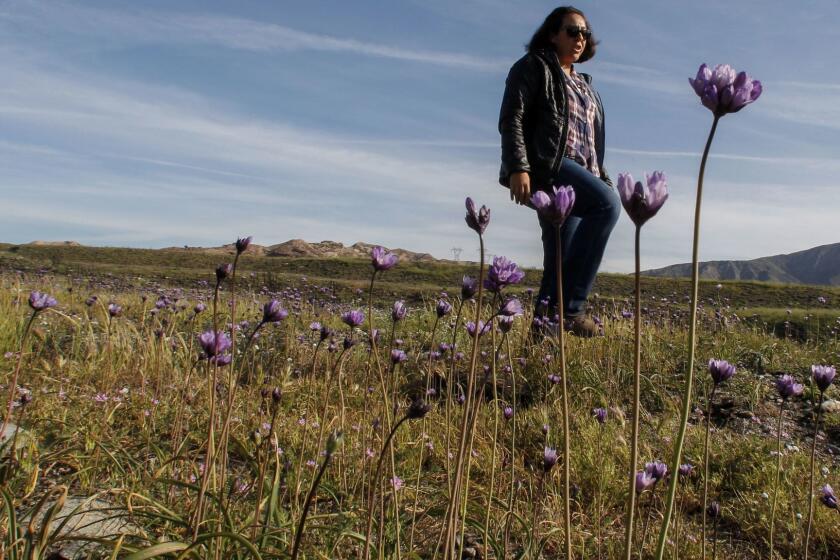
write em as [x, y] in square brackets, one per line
[642, 201]
[221, 359]
[657, 470]
[511, 307]
[723, 91]
[417, 409]
[214, 344]
[326, 332]
[720, 370]
[713, 510]
[39, 301]
[503, 272]
[644, 481]
[382, 260]
[469, 286]
[686, 469]
[555, 206]
[443, 308]
[399, 310]
[600, 414]
[549, 458]
[787, 387]
[506, 324]
[483, 328]
[353, 318]
[828, 498]
[273, 312]
[398, 356]
[223, 271]
[477, 221]
[508, 413]
[199, 308]
[242, 244]
[114, 310]
[823, 376]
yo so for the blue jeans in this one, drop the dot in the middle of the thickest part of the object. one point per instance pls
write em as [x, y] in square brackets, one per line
[584, 236]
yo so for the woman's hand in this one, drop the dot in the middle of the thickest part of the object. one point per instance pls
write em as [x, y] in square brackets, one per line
[520, 187]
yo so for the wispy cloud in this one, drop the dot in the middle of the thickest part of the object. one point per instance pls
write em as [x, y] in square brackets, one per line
[821, 163]
[811, 104]
[638, 78]
[120, 154]
[259, 175]
[222, 31]
[152, 122]
[810, 85]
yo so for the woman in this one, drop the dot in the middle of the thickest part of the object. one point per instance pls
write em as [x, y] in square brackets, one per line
[552, 127]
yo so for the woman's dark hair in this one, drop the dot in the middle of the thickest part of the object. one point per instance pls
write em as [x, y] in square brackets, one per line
[550, 27]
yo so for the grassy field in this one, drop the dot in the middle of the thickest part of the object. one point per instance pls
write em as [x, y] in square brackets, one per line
[124, 409]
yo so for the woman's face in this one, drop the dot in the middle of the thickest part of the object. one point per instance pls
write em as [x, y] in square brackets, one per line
[569, 48]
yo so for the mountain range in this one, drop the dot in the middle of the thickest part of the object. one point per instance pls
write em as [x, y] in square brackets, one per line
[818, 265]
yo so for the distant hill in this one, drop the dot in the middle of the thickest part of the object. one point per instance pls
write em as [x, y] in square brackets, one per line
[819, 265]
[301, 248]
[55, 243]
[289, 249]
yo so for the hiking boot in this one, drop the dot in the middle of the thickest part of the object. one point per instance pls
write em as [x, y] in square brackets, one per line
[582, 326]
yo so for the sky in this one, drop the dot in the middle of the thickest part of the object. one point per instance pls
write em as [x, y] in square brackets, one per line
[168, 123]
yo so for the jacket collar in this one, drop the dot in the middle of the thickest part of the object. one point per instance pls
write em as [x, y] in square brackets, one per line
[550, 58]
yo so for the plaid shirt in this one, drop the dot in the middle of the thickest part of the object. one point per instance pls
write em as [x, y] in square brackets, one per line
[580, 143]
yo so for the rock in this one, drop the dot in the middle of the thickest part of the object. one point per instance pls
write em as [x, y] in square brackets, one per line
[23, 437]
[88, 518]
[830, 406]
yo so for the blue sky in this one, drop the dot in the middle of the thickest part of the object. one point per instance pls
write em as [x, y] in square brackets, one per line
[161, 123]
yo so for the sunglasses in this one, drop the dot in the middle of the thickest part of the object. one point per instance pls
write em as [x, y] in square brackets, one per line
[573, 31]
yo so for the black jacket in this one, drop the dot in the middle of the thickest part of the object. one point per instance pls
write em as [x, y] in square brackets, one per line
[533, 120]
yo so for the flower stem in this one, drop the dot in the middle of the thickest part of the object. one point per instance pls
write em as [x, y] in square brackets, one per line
[299, 532]
[692, 336]
[706, 465]
[13, 384]
[429, 375]
[811, 476]
[637, 374]
[374, 486]
[778, 474]
[495, 438]
[450, 385]
[561, 335]
[451, 519]
[714, 540]
[512, 493]
[209, 456]
[598, 494]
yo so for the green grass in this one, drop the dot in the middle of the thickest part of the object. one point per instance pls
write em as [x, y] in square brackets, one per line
[146, 448]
